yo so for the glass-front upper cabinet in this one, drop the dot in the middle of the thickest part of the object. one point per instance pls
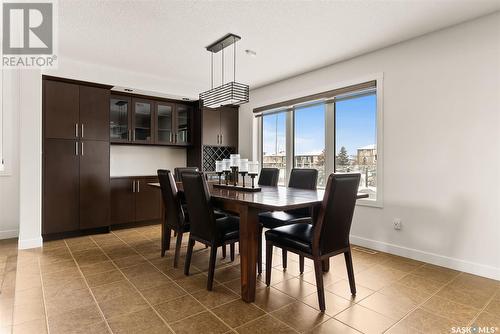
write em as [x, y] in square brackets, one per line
[164, 123]
[142, 121]
[119, 118]
[183, 124]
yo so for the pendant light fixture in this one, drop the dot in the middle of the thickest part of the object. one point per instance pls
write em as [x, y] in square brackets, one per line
[232, 92]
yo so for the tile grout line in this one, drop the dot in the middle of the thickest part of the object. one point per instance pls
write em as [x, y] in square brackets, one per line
[207, 309]
[485, 306]
[88, 286]
[126, 278]
[43, 295]
[425, 301]
[188, 293]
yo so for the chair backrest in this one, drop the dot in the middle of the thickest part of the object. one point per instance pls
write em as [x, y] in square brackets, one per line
[331, 231]
[179, 170]
[303, 178]
[269, 177]
[171, 201]
[200, 209]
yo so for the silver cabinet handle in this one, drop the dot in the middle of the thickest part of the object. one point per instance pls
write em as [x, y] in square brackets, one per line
[76, 130]
[218, 141]
[133, 136]
[221, 138]
[81, 151]
[138, 186]
[170, 137]
[76, 148]
[133, 186]
[82, 130]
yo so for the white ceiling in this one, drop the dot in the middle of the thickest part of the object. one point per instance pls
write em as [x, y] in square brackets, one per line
[168, 38]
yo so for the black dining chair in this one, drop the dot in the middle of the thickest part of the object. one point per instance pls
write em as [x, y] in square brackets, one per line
[269, 177]
[205, 228]
[179, 170]
[327, 236]
[175, 218]
[301, 178]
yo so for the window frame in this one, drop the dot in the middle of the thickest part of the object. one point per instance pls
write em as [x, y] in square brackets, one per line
[330, 136]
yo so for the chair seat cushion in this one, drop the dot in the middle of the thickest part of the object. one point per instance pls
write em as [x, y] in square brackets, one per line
[228, 228]
[280, 218]
[296, 236]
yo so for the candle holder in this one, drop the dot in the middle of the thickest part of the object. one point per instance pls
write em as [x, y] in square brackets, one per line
[226, 176]
[252, 176]
[234, 173]
[243, 173]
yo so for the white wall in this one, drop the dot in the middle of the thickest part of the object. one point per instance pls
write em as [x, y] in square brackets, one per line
[128, 160]
[9, 179]
[441, 143]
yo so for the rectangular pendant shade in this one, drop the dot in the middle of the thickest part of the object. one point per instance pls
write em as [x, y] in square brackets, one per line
[231, 93]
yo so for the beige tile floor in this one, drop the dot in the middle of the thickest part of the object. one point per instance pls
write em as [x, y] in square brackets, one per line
[117, 283]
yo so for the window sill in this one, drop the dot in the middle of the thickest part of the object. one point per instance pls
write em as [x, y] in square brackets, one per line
[370, 203]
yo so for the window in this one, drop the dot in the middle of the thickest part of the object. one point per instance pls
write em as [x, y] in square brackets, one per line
[274, 153]
[339, 131]
[309, 139]
[356, 139]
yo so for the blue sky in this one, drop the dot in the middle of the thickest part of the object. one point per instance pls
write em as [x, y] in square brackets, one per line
[355, 120]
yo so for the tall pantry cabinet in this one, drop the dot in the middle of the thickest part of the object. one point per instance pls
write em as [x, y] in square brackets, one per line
[75, 156]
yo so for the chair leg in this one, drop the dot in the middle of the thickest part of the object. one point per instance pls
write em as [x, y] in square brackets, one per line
[231, 251]
[318, 270]
[189, 253]
[223, 251]
[269, 261]
[165, 240]
[178, 244]
[283, 254]
[211, 267]
[350, 271]
[259, 251]
[301, 264]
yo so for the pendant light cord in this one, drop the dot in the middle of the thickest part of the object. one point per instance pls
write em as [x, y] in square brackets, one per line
[234, 59]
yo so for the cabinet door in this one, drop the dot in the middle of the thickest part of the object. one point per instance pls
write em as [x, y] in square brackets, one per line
[120, 119]
[164, 123]
[183, 124]
[94, 113]
[211, 127]
[94, 184]
[122, 200]
[60, 186]
[60, 110]
[147, 200]
[142, 121]
[229, 127]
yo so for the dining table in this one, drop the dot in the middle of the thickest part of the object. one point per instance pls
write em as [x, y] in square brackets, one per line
[247, 205]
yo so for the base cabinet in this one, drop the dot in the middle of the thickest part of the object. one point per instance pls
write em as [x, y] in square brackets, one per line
[134, 201]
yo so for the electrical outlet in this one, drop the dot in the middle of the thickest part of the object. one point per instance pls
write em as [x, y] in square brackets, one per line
[398, 224]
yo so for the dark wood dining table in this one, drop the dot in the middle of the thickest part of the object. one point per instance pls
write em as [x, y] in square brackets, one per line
[248, 205]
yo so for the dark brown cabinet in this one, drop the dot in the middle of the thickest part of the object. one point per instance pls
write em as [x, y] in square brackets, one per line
[94, 184]
[120, 119]
[61, 110]
[61, 186]
[75, 156]
[149, 121]
[220, 126]
[133, 201]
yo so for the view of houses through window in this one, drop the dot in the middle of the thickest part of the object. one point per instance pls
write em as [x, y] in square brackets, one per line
[355, 144]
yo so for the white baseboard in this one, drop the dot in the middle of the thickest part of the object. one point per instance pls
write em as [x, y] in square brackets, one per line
[9, 234]
[436, 259]
[30, 243]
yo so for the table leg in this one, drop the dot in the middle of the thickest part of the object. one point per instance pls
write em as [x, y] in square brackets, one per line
[248, 252]
[326, 265]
